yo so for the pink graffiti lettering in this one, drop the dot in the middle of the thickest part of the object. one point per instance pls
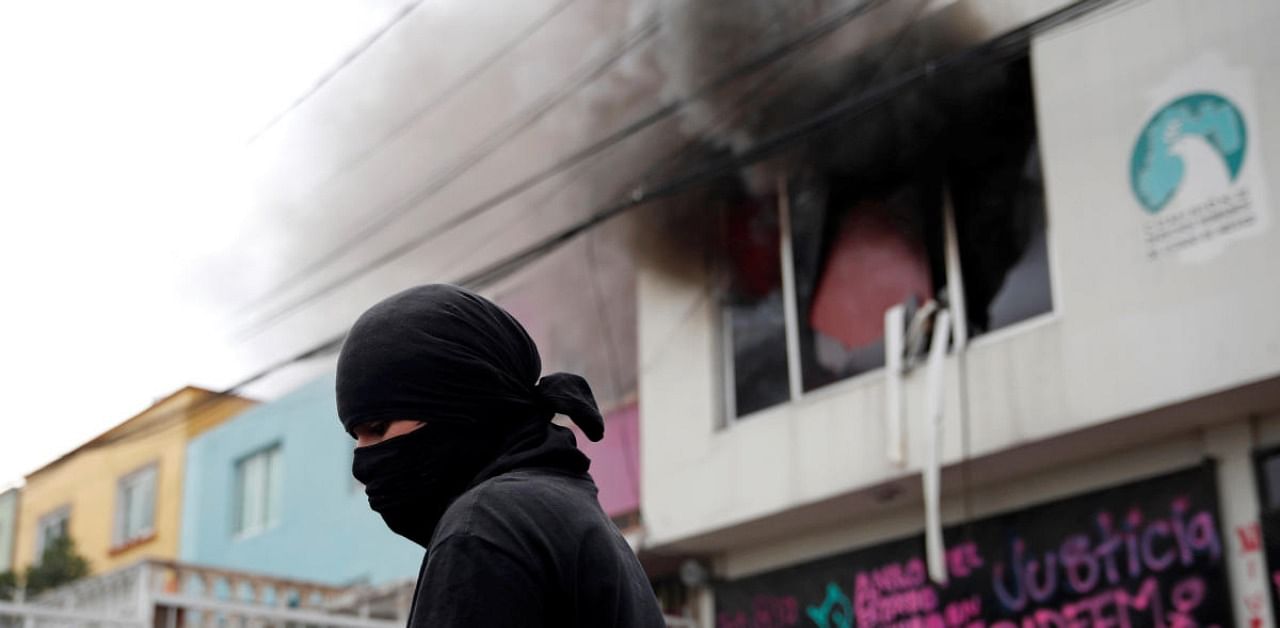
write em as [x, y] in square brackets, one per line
[768, 611]
[1119, 607]
[963, 559]
[873, 607]
[1083, 563]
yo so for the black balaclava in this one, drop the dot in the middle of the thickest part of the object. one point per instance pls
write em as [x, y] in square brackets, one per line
[464, 366]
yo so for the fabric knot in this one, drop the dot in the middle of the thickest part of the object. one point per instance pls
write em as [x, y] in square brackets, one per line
[570, 395]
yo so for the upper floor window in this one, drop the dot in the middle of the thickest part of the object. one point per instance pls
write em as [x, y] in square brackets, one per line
[947, 205]
[50, 527]
[257, 491]
[135, 506]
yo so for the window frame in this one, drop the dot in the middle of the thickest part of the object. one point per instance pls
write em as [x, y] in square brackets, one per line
[119, 536]
[62, 512]
[795, 376]
[270, 491]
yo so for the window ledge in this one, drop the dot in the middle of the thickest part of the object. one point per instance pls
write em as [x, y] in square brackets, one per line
[116, 550]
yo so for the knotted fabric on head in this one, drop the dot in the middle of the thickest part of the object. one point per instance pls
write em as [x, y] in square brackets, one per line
[440, 353]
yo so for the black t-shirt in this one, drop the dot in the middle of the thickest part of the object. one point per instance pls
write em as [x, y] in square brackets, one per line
[532, 547]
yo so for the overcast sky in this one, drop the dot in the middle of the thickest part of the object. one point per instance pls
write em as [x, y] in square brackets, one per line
[122, 131]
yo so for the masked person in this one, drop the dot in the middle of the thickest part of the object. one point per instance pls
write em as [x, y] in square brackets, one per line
[457, 452]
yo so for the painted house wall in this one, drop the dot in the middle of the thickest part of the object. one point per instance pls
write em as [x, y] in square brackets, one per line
[8, 520]
[86, 481]
[1128, 336]
[325, 530]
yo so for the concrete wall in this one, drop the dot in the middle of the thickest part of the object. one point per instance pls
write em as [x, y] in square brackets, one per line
[1129, 334]
[325, 532]
[8, 521]
[86, 480]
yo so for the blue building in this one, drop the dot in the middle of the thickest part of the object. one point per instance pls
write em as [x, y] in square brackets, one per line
[271, 491]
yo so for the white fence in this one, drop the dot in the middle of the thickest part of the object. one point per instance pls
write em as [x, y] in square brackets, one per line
[167, 594]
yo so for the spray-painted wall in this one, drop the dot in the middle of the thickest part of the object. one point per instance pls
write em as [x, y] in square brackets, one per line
[324, 530]
[1130, 334]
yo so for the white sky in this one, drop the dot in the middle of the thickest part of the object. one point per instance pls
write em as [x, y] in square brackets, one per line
[122, 131]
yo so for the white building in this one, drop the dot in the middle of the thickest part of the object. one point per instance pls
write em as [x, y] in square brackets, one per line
[1156, 348]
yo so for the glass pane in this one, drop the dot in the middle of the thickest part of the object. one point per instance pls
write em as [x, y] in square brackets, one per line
[1271, 479]
[147, 506]
[859, 250]
[998, 196]
[271, 488]
[251, 471]
[753, 316]
[128, 511]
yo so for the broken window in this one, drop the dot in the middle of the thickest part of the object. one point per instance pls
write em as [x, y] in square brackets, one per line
[856, 255]
[753, 322]
[870, 228]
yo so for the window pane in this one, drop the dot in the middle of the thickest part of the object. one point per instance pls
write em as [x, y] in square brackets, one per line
[147, 506]
[258, 488]
[1271, 481]
[271, 489]
[50, 527]
[998, 197]
[753, 316]
[858, 253]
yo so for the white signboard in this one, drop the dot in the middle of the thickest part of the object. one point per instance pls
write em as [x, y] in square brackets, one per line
[1196, 166]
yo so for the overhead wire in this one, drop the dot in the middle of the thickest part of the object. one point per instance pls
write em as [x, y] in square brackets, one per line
[755, 62]
[443, 178]
[324, 79]
[666, 162]
[999, 50]
[447, 92]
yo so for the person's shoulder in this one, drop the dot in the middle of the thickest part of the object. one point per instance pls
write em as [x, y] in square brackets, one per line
[515, 501]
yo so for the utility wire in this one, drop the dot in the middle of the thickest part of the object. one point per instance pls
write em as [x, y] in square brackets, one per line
[444, 94]
[999, 50]
[442, 179]
[823, 27]
[351, 56]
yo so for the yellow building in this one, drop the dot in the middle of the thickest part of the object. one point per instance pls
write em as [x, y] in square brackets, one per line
[119, 495]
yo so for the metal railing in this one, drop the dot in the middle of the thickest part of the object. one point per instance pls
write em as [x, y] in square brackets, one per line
[169, 594]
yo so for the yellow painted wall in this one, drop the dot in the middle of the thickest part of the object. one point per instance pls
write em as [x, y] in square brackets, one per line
[86, 480]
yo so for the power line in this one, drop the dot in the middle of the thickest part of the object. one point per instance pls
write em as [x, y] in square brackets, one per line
[445, 93]
[351, 56]
[163, 420]
[475, 156]
[821, 28]
[999, 50]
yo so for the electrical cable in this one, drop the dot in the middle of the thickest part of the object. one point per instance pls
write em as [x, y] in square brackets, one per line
[324, 79]
[999, 50]
[445, 177]
[754, 63]
[445, 93]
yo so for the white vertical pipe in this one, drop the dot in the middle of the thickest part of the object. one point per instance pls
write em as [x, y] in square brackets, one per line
[894, 325]
[955, 276]
[935, 550]
[791, 315]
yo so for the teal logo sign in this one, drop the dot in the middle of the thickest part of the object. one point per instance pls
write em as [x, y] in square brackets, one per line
[1157, 171]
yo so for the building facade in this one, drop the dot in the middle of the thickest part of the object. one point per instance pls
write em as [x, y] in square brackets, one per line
[1104, 402]
[8, 523]
[119, 496]
[271, 492]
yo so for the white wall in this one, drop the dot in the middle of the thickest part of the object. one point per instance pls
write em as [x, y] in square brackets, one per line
[1129, 335]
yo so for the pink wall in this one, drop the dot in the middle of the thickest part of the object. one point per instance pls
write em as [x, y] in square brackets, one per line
[615, 460]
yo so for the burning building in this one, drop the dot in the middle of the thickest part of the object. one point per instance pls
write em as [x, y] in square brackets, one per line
[936, 254]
